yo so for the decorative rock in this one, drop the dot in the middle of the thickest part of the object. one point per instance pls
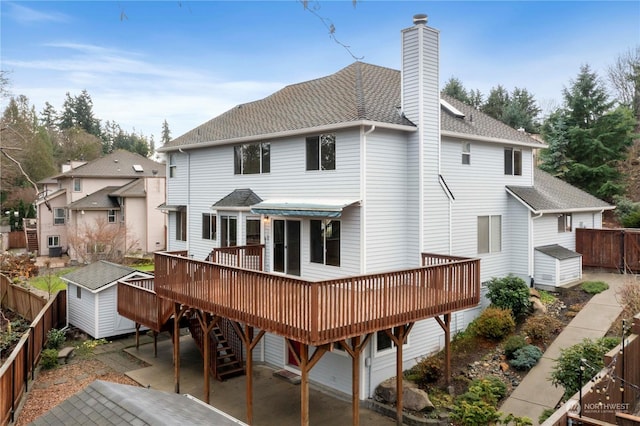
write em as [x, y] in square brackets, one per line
[386, 391]
[415, 399]
[538, 306]
[534, 293]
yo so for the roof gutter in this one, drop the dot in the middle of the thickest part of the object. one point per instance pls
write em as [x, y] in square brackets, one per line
[509, 142]
[296, 132]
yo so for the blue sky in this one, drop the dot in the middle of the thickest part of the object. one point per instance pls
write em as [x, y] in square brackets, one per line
[188, 61]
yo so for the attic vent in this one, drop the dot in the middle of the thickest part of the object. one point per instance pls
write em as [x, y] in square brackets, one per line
[453, 110]
[138, 168]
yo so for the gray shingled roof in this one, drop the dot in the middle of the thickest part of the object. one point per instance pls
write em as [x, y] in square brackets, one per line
[99, 200]
[106, 403]
[239, 198]
[558, 252]
[98, 274]
[117, 164]
[550, 194]
[132, 189]
[358, 92]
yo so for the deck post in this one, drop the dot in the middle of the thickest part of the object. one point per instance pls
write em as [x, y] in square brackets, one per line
[399, 408]
[137, 335]
[355, 381]
[446, 326]
[304, 385]
[155, 344]
[249, 373]
[206, 324]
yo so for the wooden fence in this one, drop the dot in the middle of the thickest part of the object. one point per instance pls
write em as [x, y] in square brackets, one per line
[614, 392]
[19, 367]
[17, 239]
[19, 299]
[609, 248]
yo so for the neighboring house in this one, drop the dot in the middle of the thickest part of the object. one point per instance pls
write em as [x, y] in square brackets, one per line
[114, 403]
[119, 192]
[358, 173]
[92, 299]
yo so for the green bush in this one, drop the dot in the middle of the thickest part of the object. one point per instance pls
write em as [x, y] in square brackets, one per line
[510, 292]
[594, 287]
[512, 344]
[525, 358]
[566, 371]
[478, 405]
[540, 328]
[545, 415]
[494, 323]
[55, 338]
[49, 359]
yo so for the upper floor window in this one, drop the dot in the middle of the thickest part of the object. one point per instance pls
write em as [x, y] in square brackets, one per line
[181, 225]
[325, 242]
[489, 234]
[564, 222]
[209, 226]
[172, 165]
[58, 216]
[77, 185]
[228, 231]
[111, 216]
[252, 231]
[512, 162]
[466, 153]
[252, 158]
[321, 152]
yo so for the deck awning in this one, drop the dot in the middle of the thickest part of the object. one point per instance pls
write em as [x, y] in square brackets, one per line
[303, 207]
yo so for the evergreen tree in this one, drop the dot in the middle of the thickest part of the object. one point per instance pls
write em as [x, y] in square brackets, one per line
[521, 111]
[78, 112]
[166, 133]
[454, 88]
[48, 116]
[497, 102]
[587, 138]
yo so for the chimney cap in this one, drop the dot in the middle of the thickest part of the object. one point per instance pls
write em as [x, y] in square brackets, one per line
[420, 18]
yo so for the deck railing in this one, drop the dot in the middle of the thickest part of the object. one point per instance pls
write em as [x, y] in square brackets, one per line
[138, 301]
[324, 311]
[247, 257]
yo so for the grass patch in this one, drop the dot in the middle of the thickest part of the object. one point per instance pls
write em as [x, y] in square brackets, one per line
[594, 287]
[547, 298]
[147, 267]
[50, 282]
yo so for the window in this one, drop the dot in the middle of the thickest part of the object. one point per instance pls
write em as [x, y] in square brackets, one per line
[209, 226]
[58, 216]
[384, 342]
[78, 292]
[96, 247]
[512, 162]
[228, 231]
[77, 185]
[53, 241]
[181, 225]
[252, 231]
[325, 242]
[466, 153]
[321, 152]
[252, 158]
[564, 222]
[172, 166]
[111, 216]
[489, 234]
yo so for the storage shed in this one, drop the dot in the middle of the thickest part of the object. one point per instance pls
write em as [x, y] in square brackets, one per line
[556, 266]
[92, 299]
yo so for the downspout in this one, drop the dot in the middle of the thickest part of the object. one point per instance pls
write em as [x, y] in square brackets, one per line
[531, 248]
[421, 148]
[363, 198]
[188, 193]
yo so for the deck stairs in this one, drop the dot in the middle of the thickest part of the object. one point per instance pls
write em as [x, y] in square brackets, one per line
[225, 361]
[32, 240]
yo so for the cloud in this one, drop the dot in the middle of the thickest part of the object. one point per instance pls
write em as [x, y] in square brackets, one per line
[26, 15]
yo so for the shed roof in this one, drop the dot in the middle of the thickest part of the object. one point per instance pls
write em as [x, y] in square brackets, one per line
[558, 252]
[98, 275]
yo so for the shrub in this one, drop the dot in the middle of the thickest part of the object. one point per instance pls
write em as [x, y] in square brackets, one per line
[594, 287]
[526, 357]
[545, 415]
[632, 220]
[85, 349]
[427, 370]
[510, 292]
[49, 359]
[547, 298]
[540, 328]
[55, 338]
[566, 371]
[512, 344]
[477, 406]
[494, 323]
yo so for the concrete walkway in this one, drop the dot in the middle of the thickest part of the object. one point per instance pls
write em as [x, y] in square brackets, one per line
[276, 402]
[536, 393]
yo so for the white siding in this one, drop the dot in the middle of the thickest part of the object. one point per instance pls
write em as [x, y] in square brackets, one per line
[517, 238]
[546, 232]
[82, 311]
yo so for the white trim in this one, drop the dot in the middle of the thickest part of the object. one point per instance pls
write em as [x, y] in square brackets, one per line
[479, 138]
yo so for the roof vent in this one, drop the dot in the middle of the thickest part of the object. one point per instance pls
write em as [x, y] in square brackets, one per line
[420, 19]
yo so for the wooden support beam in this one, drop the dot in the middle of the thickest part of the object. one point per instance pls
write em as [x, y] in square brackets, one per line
[399, 336]
[155, 344]
[446, 326]
[137, 335]
[354, 349]
[246, 334]
[178, 311]
[304, 384]
[207, 322]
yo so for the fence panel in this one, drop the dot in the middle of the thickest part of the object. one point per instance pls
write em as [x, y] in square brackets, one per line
[609, 248]
[17, 239]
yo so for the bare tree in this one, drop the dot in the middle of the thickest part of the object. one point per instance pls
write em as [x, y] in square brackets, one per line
[101, 240]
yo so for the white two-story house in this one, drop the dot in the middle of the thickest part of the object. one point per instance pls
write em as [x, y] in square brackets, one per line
[116, 195]
[360, 172]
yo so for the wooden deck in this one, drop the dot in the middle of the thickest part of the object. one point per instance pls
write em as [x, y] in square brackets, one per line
[313, 313]
[138, 301]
